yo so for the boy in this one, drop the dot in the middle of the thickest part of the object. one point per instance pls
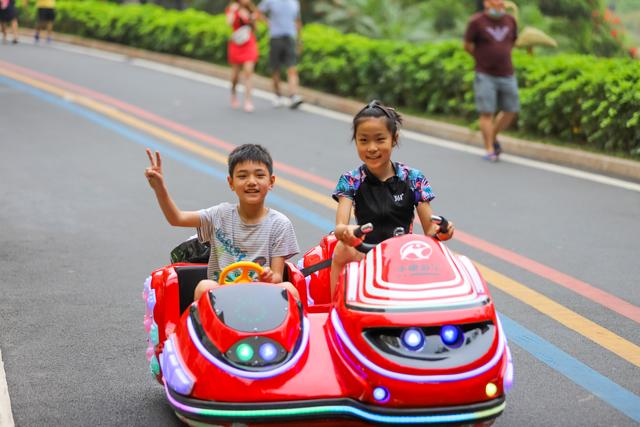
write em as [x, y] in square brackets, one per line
[244, 231]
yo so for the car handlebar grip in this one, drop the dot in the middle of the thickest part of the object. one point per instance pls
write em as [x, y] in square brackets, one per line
[444, 225]
[363, 229]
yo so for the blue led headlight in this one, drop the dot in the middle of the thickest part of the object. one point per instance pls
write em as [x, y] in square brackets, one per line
[381, 394]
[451, 336]
[413, 339]
[268, 352]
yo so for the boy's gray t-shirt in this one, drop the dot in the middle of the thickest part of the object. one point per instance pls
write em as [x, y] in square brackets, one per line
[232, 240]
[282, 16]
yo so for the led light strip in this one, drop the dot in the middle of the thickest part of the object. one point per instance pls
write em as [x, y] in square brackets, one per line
[335, 320]
[248, 374]
[338, 410]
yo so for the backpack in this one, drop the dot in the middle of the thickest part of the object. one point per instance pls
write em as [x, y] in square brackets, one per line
[191, 250]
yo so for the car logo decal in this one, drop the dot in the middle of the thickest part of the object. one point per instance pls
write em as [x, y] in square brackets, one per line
[415, 250]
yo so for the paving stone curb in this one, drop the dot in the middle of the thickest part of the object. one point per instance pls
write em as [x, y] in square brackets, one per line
[600, 163]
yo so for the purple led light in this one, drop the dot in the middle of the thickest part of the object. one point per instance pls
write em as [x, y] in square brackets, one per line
[174, 374]
[413, 339]
[268, 351]
[151, 300]
[248, 374]
[507, 382]
[452, 336]
[342, 335]
[381, 394]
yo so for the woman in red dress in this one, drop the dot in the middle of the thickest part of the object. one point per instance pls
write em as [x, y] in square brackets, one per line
[242, 49]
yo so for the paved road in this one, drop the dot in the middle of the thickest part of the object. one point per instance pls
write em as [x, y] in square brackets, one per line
[80, 230]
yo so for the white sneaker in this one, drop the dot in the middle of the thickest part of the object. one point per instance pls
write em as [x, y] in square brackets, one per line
[279, 101]
[296, 100]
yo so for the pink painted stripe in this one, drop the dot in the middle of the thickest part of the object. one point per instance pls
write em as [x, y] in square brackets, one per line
[599, 296]
[588, 291]
[169, 124]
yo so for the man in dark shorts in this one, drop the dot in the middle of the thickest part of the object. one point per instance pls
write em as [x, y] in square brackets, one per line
[284, 44]
[46, 16]
[490, 37]
[9, 16]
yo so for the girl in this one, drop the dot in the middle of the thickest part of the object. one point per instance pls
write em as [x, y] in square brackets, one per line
[242, 48]
[382, 192]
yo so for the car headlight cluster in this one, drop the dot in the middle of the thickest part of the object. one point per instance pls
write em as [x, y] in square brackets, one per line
[256, 352]
[443, 346]
[413, 339]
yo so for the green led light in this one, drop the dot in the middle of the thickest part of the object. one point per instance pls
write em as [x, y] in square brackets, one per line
[154, 366]
[244, 352]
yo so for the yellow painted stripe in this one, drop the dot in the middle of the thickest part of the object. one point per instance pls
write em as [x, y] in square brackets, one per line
[572, 320]
[563, 315]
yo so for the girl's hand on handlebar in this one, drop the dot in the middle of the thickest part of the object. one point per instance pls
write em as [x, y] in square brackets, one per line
[344, 233]
[442, 235]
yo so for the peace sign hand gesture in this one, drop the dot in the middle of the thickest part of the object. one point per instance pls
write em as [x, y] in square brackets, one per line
[154, 172]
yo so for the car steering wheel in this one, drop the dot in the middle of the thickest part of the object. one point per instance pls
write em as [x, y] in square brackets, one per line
[245, 267]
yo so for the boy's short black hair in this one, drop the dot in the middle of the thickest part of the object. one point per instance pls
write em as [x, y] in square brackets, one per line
[252, 153]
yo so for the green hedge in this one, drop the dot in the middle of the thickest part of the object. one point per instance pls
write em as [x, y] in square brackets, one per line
[576, 98]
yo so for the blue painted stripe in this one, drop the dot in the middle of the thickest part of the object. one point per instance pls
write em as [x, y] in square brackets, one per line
[275, 200]
[594, 382]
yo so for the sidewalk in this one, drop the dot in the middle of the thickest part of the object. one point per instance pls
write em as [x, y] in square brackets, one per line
[599, 163]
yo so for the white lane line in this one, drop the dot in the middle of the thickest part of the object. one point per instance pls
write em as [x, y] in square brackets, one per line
[116, 57]
[418, 137]
[6, 417]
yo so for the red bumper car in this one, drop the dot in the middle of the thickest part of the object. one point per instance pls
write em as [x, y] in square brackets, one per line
[412, 338]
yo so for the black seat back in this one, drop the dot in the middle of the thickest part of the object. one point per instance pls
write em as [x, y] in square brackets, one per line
[188, 278]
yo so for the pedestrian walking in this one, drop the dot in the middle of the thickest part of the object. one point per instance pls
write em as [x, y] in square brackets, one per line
[46, 16]
[242, 49]
[490, 38]
[9, 17]
[284, 46]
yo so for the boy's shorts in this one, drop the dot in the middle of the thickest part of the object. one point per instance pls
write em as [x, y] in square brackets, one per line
[46, 14]
[282, 53]
[496, 93]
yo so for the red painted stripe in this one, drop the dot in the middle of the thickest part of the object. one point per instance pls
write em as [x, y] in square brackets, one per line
[169, 124]
[588, 291]
[612, 302]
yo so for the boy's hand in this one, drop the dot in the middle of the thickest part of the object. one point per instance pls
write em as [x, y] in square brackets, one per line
[154, 172]
[267, 275]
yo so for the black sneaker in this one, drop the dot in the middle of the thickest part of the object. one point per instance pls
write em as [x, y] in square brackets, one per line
[497, 148]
